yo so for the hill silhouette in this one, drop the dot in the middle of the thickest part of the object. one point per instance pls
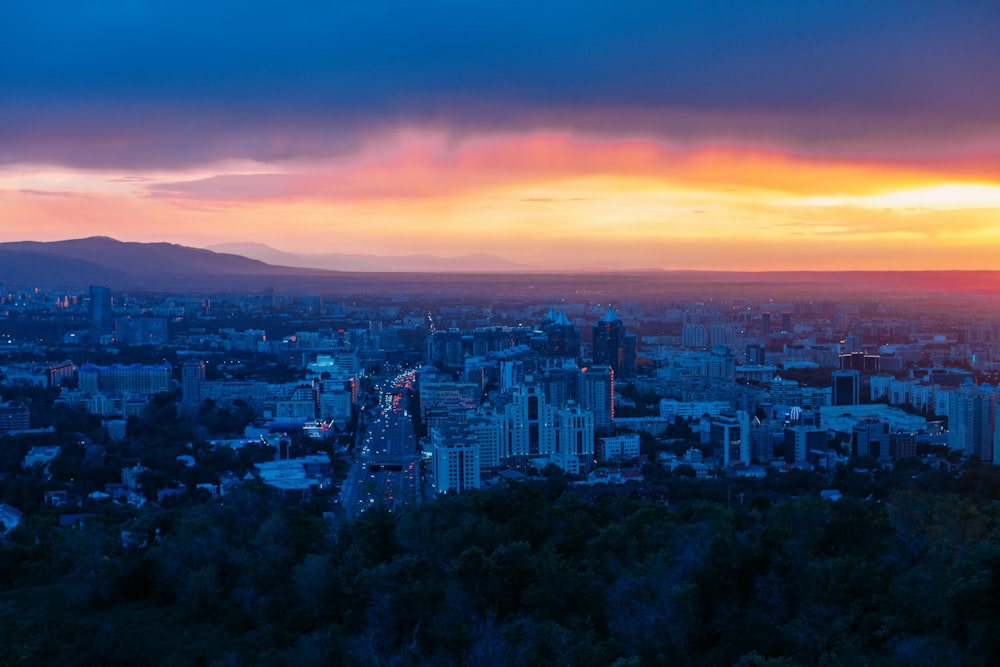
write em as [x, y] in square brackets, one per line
[123, 265]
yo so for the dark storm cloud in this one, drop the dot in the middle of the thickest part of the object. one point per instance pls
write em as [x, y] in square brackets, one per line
[135, 83]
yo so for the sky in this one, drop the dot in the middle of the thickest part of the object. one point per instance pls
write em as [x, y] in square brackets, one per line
[716, 135]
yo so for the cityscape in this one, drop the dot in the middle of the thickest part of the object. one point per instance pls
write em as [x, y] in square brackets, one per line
[500, 334]
[125, 412]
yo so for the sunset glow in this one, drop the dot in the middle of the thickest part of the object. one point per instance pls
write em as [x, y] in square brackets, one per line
[753, 180]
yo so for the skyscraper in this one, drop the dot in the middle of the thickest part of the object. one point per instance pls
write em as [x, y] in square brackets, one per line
[531, 420]
[597, 394]
[562, 339]
[575, 435]
[970, 427]
[99, 313]
[609, 343]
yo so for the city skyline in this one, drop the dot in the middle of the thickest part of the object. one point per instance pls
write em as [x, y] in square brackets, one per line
[717, 136]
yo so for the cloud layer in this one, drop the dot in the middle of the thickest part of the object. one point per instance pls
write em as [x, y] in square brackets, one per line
[712, 134]
[130, 84]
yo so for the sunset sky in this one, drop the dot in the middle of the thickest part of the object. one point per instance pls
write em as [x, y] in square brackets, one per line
[679, 135]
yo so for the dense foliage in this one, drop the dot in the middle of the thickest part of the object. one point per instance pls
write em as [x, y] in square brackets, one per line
[532, 574]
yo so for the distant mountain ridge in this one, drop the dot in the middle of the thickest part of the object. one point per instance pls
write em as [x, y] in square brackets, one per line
[168, 267]
[100, 260]
[332, 261]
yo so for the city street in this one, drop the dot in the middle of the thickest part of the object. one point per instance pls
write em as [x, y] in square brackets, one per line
[386, 469]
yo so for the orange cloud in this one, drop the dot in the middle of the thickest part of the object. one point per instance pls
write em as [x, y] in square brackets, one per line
[550, 199]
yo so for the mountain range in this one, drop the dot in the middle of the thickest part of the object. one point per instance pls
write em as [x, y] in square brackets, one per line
[76, 263]
[475, 263]
[102, 260]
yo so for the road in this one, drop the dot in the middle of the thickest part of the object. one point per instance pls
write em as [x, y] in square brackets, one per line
[386, 469]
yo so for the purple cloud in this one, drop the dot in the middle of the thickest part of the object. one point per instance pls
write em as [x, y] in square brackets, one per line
[129, 85]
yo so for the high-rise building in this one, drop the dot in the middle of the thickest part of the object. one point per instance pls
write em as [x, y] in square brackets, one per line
[489, 430]
[560, 337]
[846, 387]
[560, 384]
[765, 437]
[455, 462]
[575, 435]
[730, 437]
[531, 422]
[694, 336]
[192, 375]
[610, 345]
[970, 421]
[99, 313]
[722, 335]
[597, 394]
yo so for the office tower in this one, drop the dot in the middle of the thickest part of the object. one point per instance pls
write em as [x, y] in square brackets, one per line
[531, 421]
[99, 313]
[192, 375]
[801, 439]
[560, 384]
[559, 337]
[597, 394]
[575, 435]
[786, 322]
[511, 374]
[610, 344]
[765, 323]
[765, 437]
[970, 425]
[870, 437]
[446, 348]
[846, 387]
[730, 437]
[630, 353]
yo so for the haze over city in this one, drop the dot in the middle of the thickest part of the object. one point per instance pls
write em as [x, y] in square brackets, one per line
[714, 135]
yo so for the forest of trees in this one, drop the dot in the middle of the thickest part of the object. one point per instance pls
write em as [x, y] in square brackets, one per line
[531, 574]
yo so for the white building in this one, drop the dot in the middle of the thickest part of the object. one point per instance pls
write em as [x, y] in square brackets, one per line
[531, 422]
[455, 462]
[622, 447]
[575, 435]
[490, 432]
